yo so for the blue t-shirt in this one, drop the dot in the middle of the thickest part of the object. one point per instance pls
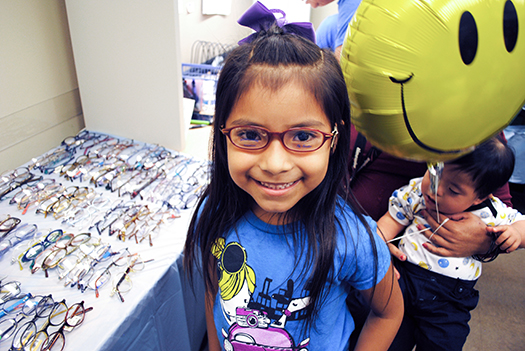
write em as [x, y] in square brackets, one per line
[326, 33]
[263, 293]
[332, 31]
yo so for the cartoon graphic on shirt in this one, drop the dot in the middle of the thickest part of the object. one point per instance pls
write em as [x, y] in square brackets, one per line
[236, 278]
[256, 322]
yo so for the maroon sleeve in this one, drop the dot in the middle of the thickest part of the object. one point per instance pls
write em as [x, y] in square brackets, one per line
[503, 194]
[375, 183]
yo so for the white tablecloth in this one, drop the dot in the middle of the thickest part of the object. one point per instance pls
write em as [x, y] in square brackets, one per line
[160, 312]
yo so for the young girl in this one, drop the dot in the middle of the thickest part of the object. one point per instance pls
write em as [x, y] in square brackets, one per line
[275, 234]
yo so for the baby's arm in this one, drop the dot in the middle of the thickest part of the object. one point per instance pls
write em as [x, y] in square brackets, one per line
[388, 228]
[385, 316]
[509, 237]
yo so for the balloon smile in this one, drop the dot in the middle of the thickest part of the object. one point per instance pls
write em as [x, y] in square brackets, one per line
[407, 122]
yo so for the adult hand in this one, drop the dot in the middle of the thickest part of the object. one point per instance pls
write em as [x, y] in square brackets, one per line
[463, 235]
[317, 3]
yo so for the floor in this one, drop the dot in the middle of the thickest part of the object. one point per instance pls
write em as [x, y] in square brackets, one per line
[498, 323]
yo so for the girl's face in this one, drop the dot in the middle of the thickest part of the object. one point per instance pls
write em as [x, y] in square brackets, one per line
[455, 194]
[276, 177]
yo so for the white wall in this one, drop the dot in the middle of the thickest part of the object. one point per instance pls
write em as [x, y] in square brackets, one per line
[39, 99]
[213, 28]
[318, 14]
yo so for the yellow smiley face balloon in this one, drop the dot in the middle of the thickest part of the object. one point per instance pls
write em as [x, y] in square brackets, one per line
[429, 80]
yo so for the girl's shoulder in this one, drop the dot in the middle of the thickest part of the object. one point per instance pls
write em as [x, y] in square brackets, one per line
[350, 222]
[359, 246]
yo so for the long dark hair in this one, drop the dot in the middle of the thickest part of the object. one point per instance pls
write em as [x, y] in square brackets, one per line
[272, 60]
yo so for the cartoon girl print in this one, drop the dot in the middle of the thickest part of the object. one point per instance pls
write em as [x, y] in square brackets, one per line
[250, 327]
[236, 278]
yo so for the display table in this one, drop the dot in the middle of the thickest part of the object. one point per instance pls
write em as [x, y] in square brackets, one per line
[160, 312]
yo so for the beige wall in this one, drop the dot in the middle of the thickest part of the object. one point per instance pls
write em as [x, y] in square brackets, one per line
[39, 97]
[39, 100]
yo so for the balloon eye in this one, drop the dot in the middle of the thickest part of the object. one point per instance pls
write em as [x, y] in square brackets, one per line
[468, 37]
[510, 26]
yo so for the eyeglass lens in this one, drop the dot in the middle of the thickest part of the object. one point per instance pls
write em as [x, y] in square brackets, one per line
[297, 139]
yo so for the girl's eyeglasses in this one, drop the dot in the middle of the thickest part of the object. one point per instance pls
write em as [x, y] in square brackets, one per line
[294, 139]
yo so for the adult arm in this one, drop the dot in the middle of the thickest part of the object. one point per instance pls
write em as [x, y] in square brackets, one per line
[385, 316]
[337, 52]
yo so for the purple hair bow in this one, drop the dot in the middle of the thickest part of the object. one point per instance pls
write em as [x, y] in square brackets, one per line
[258, 18]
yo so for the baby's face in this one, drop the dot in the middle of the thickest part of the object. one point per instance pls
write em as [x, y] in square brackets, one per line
[455, 193]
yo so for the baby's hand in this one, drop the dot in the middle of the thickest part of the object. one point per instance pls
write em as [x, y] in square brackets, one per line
[507, 237]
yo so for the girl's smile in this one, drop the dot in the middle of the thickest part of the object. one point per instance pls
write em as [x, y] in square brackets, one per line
[275, 177]
[278, 186]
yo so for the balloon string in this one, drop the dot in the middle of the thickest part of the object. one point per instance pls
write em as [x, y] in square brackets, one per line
[420, 231]
[437, 209]
[406, 235]
[445, 221]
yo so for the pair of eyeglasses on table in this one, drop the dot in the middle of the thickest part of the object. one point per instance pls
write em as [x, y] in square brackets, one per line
[15, 198]
[40, 193]
[7, 224]
[84, 139]
[12, 180]
[66, 200]
[30, 327]
[49, 257]
[48, 250]
[17, 235]
[15, 310]
[122, 283]
[128, 220]
[52, 160]
[82, 166]
[77, 270]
